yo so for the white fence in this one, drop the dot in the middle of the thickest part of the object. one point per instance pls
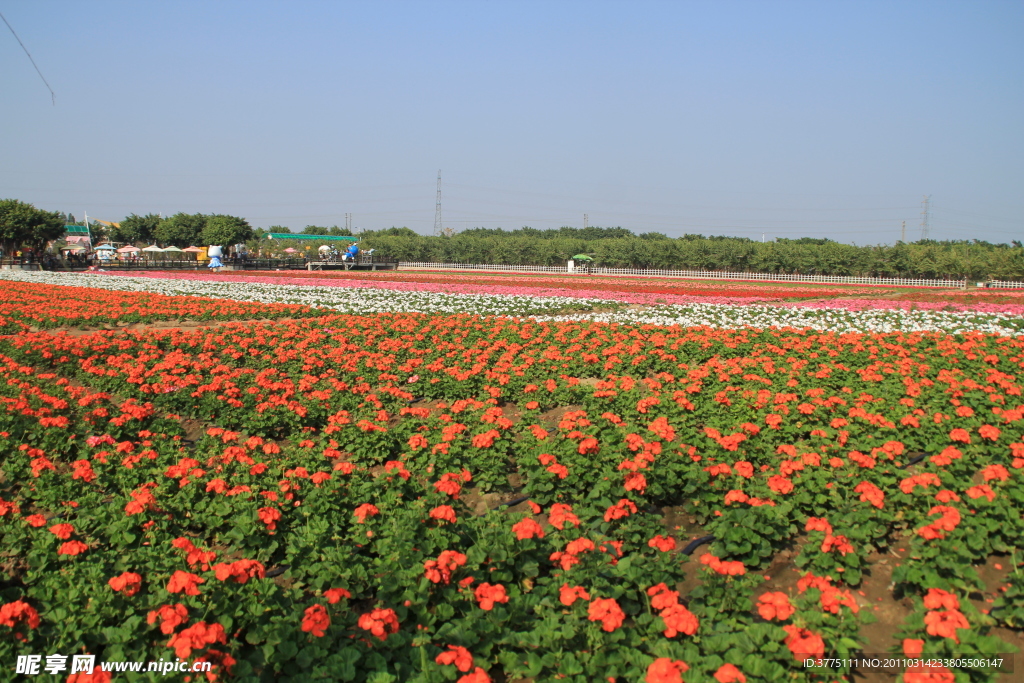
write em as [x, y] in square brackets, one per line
[1005, 284]
[699, 274]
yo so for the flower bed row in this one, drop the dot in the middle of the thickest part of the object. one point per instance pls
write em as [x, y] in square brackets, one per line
[338, 516]
[366, 300]
[593, 285]
[32, 303]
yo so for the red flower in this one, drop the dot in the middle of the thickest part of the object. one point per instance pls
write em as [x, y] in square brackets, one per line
[780, 485]
[184, 582]
[608, 612]
[662, 597]
[568, 595]
[982, 490]
[316, 620]
[333, 595]
[83, 470]
[724, 568]
[912, 647]
[995, 472]
[196, 637]
[587, 446]
[735, 496]
[804, 644]
[677, 620]
[635, 482]
[36, 520]
[365, 510]
[624, 508]
[945, 624]
[744, 469]
[662, 429]
[62, 531]
[487, 594]
[561, 471]
[832, 598]
[440, 570]
[443, 513]
[478, 676]
[665, 670]
[775, 606]
[170, 617]
[19, 611]
[527, 528]
[561, 515]
[818, 524]
[940, 599]
[662, 543]
[869, 493]
[269, 516]
[127, 583]
[989, 432]
[960, 435]
[379, 622]
[924, 479]
[840, 543]
[241, 571]
[457, 655]
[72, 548]
[727, 673]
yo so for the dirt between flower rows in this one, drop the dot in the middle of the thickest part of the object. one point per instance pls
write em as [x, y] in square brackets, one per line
[875, 594]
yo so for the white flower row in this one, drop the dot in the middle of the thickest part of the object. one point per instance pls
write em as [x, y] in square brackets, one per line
[830, 320]
[365, 300]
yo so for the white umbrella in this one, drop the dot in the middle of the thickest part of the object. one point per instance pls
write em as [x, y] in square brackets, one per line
[127, 250]
[152, 247]
[105, 247]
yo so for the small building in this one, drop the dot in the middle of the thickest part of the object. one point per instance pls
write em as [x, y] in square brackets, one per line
[78, 234]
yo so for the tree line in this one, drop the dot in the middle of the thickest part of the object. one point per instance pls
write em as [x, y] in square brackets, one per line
[182, 230]
[21, 224]
[620, 248]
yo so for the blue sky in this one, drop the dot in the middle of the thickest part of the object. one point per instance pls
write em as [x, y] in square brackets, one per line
[788, 119]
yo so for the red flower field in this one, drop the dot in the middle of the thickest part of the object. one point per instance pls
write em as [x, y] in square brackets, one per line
[409, 497]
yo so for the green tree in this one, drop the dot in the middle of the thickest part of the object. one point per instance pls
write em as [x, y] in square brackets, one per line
[22, 224]
[181, 229]
[136, 229]
[226, 230]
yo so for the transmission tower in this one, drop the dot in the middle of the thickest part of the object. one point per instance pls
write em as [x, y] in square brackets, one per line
[437, 212]
[925, 215]
[586, 219]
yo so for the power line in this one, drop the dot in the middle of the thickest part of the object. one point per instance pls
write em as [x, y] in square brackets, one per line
[53, 95]
[925, 215]
[437, 212]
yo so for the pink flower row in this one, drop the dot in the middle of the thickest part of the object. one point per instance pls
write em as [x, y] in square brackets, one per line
[624, 297]
[452, 288]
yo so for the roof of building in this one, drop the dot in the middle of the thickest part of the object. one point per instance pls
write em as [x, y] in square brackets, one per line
[321, 238]
[76, 229]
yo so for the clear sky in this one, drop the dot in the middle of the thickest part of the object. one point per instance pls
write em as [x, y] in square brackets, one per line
[819, 118]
